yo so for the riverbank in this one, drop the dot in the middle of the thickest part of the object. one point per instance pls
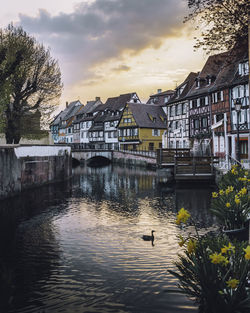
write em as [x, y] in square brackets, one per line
[24, 167]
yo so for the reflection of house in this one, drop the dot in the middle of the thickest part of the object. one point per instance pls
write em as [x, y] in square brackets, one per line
[141, 127]
[177, 135]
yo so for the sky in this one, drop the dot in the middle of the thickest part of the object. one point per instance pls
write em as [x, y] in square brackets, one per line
[109, 47]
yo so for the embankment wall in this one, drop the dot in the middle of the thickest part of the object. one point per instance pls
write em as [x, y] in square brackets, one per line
[23, 167]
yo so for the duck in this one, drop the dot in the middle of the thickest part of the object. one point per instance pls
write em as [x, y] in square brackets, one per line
[149, 238]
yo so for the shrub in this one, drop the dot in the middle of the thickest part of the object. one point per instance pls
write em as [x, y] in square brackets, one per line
[214, 271]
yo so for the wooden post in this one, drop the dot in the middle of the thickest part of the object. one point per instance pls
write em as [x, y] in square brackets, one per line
[193, 165]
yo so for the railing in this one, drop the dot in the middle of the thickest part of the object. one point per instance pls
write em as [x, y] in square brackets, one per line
[226, 162]
[191, 165]
[167, 156]
[87, 147]
[148, 153]
[243, 126]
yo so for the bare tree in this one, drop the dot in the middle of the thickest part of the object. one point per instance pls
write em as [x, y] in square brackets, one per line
[35, 82]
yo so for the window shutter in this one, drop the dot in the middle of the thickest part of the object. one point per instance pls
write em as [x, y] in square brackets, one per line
[222, 95]
[206, 100]
[240, 69]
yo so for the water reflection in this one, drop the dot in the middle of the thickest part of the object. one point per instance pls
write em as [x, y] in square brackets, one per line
[78, 247]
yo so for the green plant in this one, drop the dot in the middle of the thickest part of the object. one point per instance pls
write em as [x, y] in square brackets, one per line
[213, 271]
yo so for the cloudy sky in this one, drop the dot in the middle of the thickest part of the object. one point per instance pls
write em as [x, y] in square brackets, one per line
[109, 47]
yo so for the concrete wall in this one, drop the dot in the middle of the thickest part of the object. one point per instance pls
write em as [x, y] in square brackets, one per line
[23, 167]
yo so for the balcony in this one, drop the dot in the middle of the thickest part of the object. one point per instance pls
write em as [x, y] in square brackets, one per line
[242, 127]
[128, 138]
[96, 139]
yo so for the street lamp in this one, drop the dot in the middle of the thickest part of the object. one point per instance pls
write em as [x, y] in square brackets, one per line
[237, 105]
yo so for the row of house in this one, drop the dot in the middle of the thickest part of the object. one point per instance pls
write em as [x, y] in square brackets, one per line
[121, 122]
[199, 114]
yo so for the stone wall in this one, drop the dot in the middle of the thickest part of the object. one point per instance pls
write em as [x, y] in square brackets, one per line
[23, 167]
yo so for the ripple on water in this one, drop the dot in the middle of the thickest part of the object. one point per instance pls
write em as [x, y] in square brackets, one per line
[87, 255]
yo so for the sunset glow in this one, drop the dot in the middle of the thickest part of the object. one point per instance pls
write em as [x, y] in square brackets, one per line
[109, 47]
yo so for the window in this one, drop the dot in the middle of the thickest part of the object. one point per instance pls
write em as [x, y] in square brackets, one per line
[197, 83]
[194, 103]
[196, 124]
[151, 146]
[202, 101]
[179, 109]
[219, 117]
[155, 132]
[204, 122]
[172, 110]
[184, 109]
[243, 68]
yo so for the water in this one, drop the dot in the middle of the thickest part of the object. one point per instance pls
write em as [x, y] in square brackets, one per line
[77, 247]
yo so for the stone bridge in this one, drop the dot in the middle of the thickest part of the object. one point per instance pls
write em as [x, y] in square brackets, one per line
[126, 157]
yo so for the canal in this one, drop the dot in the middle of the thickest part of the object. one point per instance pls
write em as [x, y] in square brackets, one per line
[77, 246]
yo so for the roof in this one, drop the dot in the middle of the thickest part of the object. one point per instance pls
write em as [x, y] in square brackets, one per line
[90, 107]
[187, 84]
[143, 113]
[57, 119]
[118, 103]
[163, 93]
[67, 113]
[211, 69]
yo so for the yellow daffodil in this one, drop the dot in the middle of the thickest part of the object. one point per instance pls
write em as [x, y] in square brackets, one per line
[182, 241]
[228, 205]
[246, 173]
[233, 283]
[243, 191]
[237, 200]
[183, 216]
[234, 172]
[229, 189]
[221, 192]
[214, 194]
[218, 258]
[191, 245]
[229, 248]
[247, 255]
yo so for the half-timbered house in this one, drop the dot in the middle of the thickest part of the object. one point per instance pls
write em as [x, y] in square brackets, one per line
[177, 134]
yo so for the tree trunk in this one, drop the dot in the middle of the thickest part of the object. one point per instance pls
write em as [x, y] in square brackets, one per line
[13, 129]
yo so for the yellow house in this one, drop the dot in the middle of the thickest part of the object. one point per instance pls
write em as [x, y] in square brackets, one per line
[141, 127]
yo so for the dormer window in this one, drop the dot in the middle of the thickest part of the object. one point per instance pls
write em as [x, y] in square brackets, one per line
[209, 80]
[197, 83]
[243, 68]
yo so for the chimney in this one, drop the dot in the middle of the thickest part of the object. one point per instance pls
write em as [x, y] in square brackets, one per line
[67, 104]
[158, 90]
[97, 98]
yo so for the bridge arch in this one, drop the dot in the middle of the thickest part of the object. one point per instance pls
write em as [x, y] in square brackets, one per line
[98, 160]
